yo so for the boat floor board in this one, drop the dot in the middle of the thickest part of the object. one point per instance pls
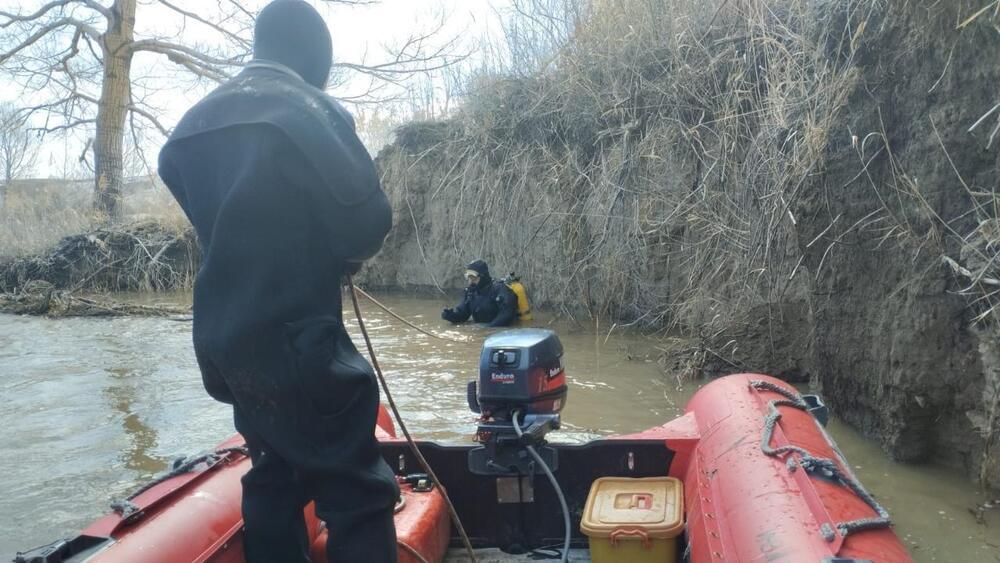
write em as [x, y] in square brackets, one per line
[494, 555]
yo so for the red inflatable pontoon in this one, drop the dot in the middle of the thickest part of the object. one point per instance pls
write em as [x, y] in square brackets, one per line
[763, 482]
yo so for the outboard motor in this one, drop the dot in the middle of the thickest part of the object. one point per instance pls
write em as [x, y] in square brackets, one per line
[520, 392]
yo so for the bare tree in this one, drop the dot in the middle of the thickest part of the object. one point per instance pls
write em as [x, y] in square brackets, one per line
[535, 30]
[17, 149]
[84, 50]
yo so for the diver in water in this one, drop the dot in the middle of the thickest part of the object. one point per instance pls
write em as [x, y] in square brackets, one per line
[485, 300]
[285, 198]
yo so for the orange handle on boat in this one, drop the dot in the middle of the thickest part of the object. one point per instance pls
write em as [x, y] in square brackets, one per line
[619, 532]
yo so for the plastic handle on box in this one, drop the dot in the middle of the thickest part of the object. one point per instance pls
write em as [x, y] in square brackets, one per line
[619, 532]
[641, 501]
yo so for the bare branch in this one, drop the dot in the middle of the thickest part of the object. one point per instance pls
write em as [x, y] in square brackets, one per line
[49, 106]
[74, 48]
[168, 48]
[19, 18]
[96, 53]
[68, 125]
[93, 5]
[17, 145]
[195, 61]
[410, 59]
[48, 28]
[150, 118]
[83, 155]
[15, 18]
[137, 145]
[240, 40]
[236, 4]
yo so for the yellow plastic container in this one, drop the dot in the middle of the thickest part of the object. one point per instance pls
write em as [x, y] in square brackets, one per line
[634, 520]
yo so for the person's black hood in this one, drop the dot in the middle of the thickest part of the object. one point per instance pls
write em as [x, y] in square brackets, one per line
[483, 270]
[292, 33]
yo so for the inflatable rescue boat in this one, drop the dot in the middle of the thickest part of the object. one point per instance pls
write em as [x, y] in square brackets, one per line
[747, 474]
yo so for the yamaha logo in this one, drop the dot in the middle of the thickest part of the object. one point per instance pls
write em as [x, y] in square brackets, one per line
[503, 378]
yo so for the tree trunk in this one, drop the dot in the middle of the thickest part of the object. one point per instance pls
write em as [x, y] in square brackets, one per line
[111, 112]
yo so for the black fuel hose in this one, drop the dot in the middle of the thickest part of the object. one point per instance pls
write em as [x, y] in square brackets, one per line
[555, 485]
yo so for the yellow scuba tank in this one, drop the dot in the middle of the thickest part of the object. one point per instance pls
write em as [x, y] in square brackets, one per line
[523, 305]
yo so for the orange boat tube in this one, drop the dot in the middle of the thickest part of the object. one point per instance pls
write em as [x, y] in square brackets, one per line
[765, 482]
[762, 480]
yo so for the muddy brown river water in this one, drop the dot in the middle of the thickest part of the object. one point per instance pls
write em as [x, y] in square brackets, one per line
[91, 408]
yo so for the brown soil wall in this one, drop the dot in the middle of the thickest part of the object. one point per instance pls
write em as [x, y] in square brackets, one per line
[795, 185]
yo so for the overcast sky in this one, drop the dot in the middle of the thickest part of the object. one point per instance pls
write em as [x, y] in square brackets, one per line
[360, 34]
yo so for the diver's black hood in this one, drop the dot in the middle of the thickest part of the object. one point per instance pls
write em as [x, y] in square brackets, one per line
[483, 270]
[292, 33]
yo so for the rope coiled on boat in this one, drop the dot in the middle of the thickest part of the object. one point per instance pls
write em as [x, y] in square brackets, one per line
[126, 508]
[828, 468]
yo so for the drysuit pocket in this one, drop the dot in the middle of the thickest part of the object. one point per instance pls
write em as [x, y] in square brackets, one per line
[331, 375]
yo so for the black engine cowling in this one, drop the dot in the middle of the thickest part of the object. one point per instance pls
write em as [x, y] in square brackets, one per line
[519, 370]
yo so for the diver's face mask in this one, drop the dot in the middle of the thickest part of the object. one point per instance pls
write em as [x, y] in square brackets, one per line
[471, 277]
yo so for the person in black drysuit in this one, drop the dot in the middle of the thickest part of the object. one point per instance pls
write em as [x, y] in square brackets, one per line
[285, 201]
[486, 301]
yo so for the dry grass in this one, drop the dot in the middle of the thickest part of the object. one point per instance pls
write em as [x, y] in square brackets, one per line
[666, 167]
[39, 213]
[655, 161]
[48, 232]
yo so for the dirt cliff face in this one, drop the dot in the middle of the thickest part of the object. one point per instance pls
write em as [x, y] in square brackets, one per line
[793, 185]
[896, 344]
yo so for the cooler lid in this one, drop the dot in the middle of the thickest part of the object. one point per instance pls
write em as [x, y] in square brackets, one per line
[653, 504]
